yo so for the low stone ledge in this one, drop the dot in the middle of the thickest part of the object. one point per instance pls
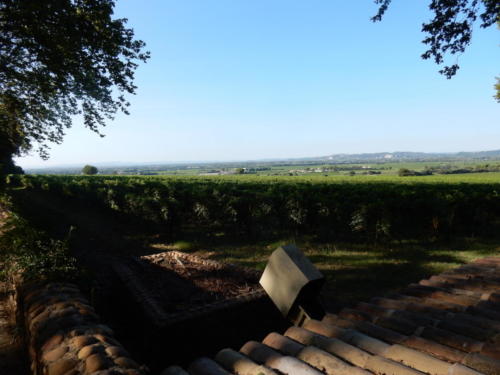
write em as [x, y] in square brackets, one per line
[182, 297]
[65, 336]
[156, 314]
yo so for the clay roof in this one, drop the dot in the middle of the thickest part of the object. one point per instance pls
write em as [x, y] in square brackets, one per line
[448, 324]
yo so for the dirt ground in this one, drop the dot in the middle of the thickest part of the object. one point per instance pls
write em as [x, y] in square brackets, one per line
[183, 282]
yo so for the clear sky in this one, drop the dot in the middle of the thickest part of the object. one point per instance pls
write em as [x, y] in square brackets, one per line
[254, 79]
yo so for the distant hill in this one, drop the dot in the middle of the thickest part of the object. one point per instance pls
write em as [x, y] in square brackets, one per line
[378, 157]
[410, 156]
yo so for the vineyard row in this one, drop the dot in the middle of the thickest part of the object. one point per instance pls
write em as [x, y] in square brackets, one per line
[260, 209]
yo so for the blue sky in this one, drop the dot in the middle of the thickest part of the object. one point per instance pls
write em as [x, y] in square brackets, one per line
[253, 79]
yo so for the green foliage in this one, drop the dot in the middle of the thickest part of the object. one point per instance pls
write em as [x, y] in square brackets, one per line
[7, 167]
[497, 88]
[32, 254]
[404, 172]
[450, 31]
[89, 170]
[61, 58]
[183, 245]
[357, 208]
[479, 168]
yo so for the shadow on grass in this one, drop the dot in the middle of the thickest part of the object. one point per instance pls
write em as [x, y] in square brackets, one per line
[353, 271]
[352, 277]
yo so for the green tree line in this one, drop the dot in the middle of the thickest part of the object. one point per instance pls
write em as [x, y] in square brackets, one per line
[263, 209]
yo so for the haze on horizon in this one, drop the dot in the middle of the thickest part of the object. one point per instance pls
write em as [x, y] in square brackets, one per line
[234, 80]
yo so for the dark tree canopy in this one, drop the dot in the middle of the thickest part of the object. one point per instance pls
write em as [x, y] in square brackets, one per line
[89, 170]
[58, 59]
[497, 87]
[450, 31]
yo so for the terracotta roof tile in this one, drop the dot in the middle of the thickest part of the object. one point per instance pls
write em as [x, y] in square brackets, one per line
[174, 370]
[328, 363]
[239, 364]
[448, 324]
[339, 348]
[206, 366]
[263, 354]
[283, 344]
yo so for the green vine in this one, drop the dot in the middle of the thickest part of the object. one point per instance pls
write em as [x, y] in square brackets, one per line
[31, 253]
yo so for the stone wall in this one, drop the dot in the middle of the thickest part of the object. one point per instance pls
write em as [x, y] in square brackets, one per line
[65, 336]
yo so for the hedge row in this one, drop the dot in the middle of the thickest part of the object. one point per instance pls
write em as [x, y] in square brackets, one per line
[267, 208]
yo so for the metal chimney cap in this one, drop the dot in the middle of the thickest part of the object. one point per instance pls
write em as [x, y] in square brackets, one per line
[287, 273]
